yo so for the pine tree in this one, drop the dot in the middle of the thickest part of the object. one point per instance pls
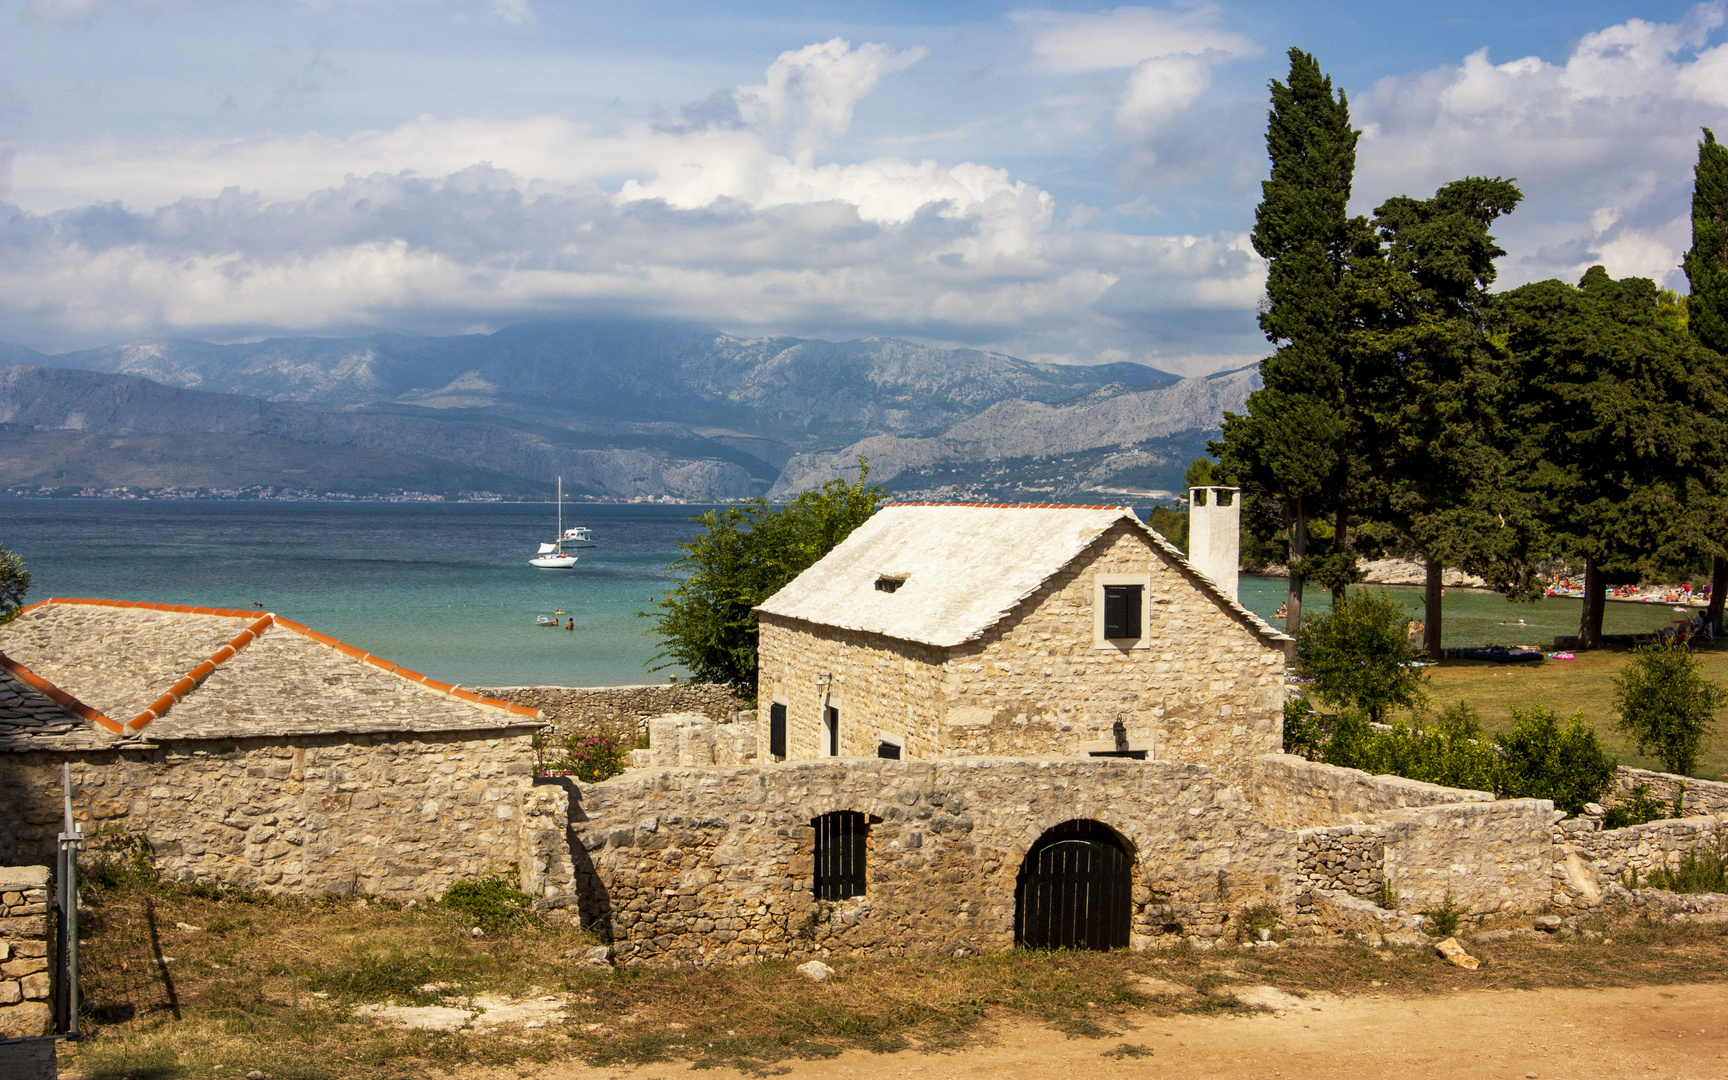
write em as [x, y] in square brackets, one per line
[1707, 308]
[1291, 448]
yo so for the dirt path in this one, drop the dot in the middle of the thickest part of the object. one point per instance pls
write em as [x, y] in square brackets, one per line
[1650, 1032]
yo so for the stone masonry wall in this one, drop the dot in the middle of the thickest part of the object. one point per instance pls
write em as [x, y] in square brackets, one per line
[1345, 858]
[715, 865]
[1702, 796]
[1589, 859]
[1487, 858]
[25, 983]
[619, 711]
[1294, 793]
[395, 815]
[1203, 688]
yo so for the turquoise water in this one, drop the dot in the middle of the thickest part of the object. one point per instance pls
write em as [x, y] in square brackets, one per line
[1475, 616]
[443, 588]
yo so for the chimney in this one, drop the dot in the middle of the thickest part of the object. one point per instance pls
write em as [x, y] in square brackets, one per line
[1215, 534]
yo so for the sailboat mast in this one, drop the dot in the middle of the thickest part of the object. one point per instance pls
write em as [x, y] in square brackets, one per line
[560, 508]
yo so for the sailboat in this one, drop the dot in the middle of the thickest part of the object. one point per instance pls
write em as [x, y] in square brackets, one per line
[551, 556]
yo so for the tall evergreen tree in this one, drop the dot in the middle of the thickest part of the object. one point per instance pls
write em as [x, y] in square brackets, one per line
[1620, 418]
[1291, 449]
[1707, 308]
[1427, 382]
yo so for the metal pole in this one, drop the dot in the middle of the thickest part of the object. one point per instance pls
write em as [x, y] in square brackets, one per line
[71, 840]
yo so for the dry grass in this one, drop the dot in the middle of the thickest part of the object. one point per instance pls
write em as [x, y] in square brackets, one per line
[238, 994]
[1567, 686]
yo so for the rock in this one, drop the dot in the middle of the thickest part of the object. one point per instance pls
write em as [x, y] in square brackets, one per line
[187, 928]
[594, 956]
[25, 1021]
[476, 931]
[1547, 923]
[1594, 809]
[815, 971]
[1455, 954]
[1489, 935]
[256, 1074]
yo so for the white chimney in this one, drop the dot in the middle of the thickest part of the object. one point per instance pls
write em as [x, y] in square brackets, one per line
[1215, 534]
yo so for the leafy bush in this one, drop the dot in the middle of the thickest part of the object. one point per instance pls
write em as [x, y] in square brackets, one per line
[1443, 919]
[1303, 734]
[589, 758]
[1667, 705]
[1359, 655]
[1453, 751]
[490, 903]
[1698, 872]
[14, 583]
[1641, 809]
[1542, 760]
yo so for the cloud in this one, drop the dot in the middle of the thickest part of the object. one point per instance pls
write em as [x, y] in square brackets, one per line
[810, 93]
[1602, 144]
[1070, 42]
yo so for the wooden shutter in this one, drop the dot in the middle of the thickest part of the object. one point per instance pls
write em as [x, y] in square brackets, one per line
[888, 750]
[777, 730]
[833, 731]
[840, 838]
[1122, 611]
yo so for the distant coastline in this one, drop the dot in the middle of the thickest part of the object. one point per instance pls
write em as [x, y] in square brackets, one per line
[269, 493]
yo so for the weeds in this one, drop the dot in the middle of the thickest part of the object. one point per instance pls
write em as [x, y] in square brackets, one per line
[1444, 918]
[1641, 809]
[1697, 872]
[1386, 896]
[491, 903]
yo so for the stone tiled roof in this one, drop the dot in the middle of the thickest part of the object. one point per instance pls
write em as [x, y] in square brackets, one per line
[963, 568]
[115, 668]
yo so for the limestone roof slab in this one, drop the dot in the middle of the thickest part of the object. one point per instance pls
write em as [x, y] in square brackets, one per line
[962, 568]
[76, 674]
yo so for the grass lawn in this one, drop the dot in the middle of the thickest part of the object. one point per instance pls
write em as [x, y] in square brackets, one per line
[1567, 686]
[185, 984]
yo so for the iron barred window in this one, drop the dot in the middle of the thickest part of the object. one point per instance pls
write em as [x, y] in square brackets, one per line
[777, 730]
[1122, 611]
[840, 838]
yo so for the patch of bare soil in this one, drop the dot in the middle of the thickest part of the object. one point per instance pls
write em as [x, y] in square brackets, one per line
[1647, 1032]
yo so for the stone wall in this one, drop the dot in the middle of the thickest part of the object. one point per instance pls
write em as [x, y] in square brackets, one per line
[619, 711]
[1702, 796]
[25, 983]
[1203, 687]
[1488, 858]
[690, 739]
[1590, 860]
[395, 815]
[715, 865]
[1343, 858]
[1294, 793]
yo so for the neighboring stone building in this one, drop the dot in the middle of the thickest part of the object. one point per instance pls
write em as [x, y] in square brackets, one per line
[249, 749]
[947, 630]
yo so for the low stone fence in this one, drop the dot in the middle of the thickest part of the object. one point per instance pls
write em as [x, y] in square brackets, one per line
[690, 739]
[1487, 858]
[396, 815]
[1702, 796]
[1590, 860]
[1342, 858]
[1295, 793]
[622, 712]
[25, 984]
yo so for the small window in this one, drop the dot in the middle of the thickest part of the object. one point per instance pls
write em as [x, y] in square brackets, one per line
[1122, 611]
[888, 750]
[840, 838]
[831, 729]
[889, 584]
[1132, 755]
[777, 731]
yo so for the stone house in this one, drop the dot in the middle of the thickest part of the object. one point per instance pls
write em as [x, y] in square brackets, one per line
[252, 750]
[950, 630]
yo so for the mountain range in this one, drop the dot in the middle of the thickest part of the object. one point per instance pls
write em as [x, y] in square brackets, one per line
[619, 409]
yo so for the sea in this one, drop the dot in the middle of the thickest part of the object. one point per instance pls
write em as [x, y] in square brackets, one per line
[445, 588]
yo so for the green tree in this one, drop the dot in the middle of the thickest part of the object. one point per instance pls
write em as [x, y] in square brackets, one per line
[1452, 751]
[1707, 307]
[1542, 760]
[1359, 654]
[745, 554]
[1428, 382]
[1667, 705]
[1619, 420]
[1291, 450]
[14, 583]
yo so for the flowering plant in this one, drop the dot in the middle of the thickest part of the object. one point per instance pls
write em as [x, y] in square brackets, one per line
[589, 758]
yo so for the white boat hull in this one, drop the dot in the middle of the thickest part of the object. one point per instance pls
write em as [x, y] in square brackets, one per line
[553, 562]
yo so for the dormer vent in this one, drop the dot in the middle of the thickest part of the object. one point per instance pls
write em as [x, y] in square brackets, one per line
[888, 583]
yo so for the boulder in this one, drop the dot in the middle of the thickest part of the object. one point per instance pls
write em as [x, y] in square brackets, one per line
[815, 971]
[1548, 923]
[1455, 954]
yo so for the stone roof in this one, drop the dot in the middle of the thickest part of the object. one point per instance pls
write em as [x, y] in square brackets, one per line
[83, 673]
[962, 568]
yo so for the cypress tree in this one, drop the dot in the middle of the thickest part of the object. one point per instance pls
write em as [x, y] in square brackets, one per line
[1290, 449]
[1707, 308]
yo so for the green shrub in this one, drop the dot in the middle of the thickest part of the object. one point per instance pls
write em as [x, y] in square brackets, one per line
[1667, 705]
[1303, 735]
[1443, 919]
[490, 903]
[1542, 760]
[1698, 872]
[14, 583]
[1453, 751]
[589, 758]
[1641, 809]
[117, 859]
[1359, 655]
[381, 976]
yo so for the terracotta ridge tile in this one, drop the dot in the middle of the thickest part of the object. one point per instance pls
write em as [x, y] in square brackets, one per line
[191, 680]
[59, 696]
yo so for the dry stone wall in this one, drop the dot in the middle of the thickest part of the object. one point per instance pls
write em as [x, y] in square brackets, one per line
[1486, 858]
[1589, 860]
[619, 711]
[1702, 796]
[1294, 793]
[706, 866]
[25, 983]
[400, 816]
[1343, 858]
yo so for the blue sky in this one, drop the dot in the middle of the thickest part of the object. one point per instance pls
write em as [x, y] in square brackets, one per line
[1063, 182]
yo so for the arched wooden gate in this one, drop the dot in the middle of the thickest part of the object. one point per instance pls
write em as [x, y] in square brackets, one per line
[1075, 890]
